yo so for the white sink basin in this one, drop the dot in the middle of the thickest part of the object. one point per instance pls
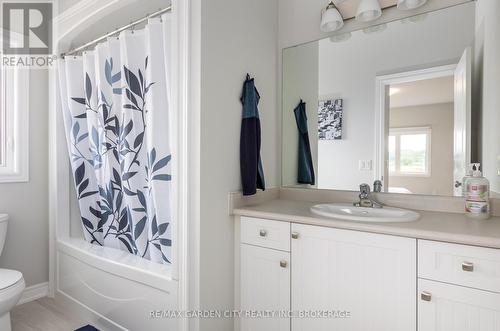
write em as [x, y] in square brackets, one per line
[349, 212]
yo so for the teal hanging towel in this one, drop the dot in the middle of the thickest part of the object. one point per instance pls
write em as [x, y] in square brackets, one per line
[305, 174]
[252, 174]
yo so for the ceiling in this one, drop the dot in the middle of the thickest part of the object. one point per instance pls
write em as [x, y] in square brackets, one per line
[348, 7]
[422, 92]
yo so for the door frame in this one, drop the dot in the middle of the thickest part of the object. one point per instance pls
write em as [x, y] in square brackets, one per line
[382, 83]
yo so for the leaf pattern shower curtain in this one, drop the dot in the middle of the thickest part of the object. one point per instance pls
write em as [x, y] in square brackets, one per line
[115, 105]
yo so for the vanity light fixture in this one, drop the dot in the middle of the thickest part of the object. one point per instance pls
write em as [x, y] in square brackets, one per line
[410, 4]
[368, 10]
[331, 19]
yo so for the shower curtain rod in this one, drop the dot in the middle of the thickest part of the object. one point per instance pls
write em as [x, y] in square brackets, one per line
[123, 28]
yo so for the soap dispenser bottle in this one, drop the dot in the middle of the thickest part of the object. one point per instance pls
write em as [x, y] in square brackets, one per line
[468, 174]
[477, 203]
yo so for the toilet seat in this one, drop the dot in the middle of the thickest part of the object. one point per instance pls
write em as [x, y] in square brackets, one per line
[9, 278]
[11, 289]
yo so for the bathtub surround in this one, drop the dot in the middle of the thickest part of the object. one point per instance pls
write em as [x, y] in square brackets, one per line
[107, 284]
[116, 113]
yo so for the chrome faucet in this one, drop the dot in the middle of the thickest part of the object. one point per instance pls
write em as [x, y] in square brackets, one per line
[365, 198]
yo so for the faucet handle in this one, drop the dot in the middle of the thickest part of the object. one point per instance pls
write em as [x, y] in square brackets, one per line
[364, 188]
[377, 186]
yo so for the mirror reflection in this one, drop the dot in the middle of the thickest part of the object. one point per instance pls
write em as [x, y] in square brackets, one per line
[391, 102]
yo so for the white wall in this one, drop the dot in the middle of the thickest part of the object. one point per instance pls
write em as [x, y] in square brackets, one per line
[348, 70]
[487, 87]
[237, 36]
[26, 246]
[439, 117]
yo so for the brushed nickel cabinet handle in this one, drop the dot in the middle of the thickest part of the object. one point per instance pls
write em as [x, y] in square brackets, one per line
[426, 296]
[263, 233]
[295, 235]
[467, 266]
[283, 263]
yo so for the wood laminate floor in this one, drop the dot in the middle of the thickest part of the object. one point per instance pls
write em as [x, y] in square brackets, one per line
[44, 315]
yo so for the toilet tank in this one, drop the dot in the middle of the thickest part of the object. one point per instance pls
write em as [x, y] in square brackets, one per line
[3, 230]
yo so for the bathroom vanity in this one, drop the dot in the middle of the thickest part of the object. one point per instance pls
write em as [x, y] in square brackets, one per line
[441, 272]
[388, 103]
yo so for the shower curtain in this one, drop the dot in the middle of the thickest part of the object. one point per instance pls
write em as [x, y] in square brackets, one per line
[115, 106]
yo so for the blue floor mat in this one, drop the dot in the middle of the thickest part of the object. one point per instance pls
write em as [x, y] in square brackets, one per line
[87, 327]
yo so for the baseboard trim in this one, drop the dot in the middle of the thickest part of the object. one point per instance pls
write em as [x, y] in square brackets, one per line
[34, 292]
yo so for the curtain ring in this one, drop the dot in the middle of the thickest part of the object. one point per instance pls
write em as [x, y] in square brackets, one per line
[132, 28]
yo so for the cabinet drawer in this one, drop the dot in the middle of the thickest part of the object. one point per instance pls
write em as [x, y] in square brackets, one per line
[265, 233]
[470, 266]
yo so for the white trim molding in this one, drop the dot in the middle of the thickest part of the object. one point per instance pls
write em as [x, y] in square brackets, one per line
[34, 292]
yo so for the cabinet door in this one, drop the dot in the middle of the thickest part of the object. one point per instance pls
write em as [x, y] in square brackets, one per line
[445, 307]
[368, 279]
[265, 286]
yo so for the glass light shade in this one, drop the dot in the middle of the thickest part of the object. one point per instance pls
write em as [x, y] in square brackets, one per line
[331, 20]
[368, 10]
[410, 4]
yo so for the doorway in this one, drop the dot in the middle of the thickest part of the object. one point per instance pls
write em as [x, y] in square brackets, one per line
[423, 129]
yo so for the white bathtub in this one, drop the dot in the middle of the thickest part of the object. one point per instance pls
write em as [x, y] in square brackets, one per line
[119, 288]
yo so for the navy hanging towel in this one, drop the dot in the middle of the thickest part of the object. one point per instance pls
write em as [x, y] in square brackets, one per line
[305, 174]
[252, 174]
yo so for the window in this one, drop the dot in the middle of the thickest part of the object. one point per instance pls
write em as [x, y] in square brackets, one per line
[14, 121]
[409, 151]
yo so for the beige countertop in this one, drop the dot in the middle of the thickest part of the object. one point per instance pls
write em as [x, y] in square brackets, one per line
[439, 226]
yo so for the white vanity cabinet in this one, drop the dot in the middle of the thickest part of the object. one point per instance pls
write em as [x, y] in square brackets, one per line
[365, 281]
[459, 287]
[335, 279]
[264, 274]
[371, 276]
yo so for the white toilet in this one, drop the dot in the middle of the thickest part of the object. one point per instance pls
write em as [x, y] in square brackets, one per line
[11, 283]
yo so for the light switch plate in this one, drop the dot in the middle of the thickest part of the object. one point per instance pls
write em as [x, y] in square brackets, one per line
[365, 165]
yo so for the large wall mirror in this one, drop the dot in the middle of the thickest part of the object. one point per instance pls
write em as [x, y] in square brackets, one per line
[392, 102]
